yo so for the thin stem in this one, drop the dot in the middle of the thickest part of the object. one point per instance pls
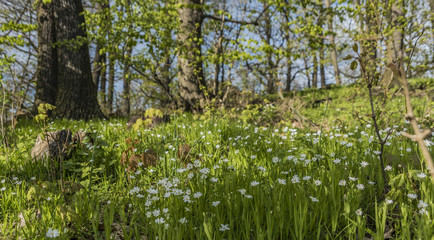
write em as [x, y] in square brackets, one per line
[377, 131]
[418, 135]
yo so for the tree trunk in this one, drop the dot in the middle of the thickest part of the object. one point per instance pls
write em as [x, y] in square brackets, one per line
[431, 15]
[289, 47]
[334, 54]
[76, 95]
[218, 66]
[107, 95]
[47, 69]
[103, 80]
[271, 76]
[96, 72]
[111, 84]
[321, 65]
[167, 80]
[216, 78]
[288, 76]
[190, 73]
[369, 41]
[99, 60]
[306, 67]
[126, 103]
[315, 71]
[395, 44]
[218, 56]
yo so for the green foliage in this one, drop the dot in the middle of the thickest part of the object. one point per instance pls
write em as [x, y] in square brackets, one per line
[43, 109]
[247, 178]
[150, 114]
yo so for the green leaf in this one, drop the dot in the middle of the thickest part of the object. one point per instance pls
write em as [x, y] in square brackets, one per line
[103, 143]
[348, 57]
[353, 65]
[355, 47]
[32, 193]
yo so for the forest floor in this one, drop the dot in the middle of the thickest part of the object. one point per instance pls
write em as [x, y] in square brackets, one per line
[303, 167]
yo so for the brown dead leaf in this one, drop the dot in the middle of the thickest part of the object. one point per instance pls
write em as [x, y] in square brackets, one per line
[183, 152]
[133, 162]
[149, 158]
[124, 158]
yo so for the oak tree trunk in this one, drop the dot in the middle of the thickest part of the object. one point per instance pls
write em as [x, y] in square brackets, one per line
[76, 95]
[47, 69]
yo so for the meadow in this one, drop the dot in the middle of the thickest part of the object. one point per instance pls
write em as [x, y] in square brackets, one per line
[292, 169]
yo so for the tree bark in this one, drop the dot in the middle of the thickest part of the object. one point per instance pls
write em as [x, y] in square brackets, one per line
[103, 80]
[288, 76]
[99, 61]
[271, 68]
[47, 69]
[76, 95]
[321, 65]
[369, 41]
[111, 83]
[167, 80]
[333, 53]
[96, 72]
[315, 71]
[431, 15]
[395, 46]
[306, 67]
[126, 103]
[190, 74]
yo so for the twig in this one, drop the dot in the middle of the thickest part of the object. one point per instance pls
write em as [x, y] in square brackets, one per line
[419, 136]
[370, 79]
[382, 142]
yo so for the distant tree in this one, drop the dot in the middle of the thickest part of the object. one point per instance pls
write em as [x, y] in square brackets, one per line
[333, 52]
[190, 66]
[369, 18]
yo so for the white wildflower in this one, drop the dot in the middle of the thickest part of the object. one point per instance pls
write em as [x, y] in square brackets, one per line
[224, 227]
[254, 183]
[412, 196]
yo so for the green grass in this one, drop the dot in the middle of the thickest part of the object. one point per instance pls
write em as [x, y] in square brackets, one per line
[255, 181]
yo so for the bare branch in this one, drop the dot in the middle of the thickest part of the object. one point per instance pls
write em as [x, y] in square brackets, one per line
[418, 135]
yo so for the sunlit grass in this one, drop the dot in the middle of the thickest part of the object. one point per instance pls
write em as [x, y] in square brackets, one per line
[255, 182]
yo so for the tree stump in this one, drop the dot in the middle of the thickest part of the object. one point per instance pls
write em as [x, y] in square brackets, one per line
[56, 144]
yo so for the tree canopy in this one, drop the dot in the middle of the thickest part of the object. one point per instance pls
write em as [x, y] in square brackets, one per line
[190, 53]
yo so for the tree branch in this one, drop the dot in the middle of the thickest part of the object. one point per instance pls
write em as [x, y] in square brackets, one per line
[224, 19]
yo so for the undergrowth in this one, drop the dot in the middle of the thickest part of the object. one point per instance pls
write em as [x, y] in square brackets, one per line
[258, 177]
